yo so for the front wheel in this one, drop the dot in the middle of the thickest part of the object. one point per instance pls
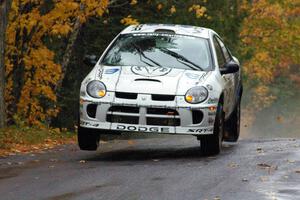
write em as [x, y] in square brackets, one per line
[212, 144]
[88, 139]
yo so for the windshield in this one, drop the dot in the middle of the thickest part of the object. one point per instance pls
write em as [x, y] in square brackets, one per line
[162, 50]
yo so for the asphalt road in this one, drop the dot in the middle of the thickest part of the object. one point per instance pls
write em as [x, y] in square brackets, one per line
[158, 168]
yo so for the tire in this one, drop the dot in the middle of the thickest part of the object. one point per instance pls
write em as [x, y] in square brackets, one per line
[232, 125]
[212, 144]
[88, 139]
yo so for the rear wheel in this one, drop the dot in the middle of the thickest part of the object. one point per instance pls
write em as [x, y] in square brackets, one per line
[88, 139]
[232, 125]
[212, 144]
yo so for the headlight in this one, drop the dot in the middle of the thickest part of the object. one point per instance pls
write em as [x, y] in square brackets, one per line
[96, 89]
[196, 95]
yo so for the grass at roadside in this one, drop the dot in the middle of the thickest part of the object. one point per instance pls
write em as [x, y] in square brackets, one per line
[24, 140]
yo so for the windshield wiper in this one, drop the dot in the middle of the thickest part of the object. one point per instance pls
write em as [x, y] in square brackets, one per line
[142, 54]
[180, 57]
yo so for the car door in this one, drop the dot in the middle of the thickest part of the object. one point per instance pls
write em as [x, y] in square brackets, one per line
[224, 57]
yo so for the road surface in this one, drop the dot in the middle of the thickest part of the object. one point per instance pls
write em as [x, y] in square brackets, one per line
[157, 168]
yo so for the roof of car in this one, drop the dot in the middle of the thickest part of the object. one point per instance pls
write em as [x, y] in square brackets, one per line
[175, 28]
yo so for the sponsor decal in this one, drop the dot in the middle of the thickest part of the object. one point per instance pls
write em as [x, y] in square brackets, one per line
[201, 130]
[210, 87]
[192, 76]
[100, 72]
[143, 129]
[213, 100]
[204, 76]
[150, 71]
[89, 124]
[165, 34]
[111, 71]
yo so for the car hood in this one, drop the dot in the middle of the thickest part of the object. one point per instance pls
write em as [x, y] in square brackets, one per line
[151, 80]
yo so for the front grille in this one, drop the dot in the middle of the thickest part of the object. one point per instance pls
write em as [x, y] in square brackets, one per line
[123, 114]
[150, 116]
[158, 97]
[124, 109]
[162, 117]
[126, 95]
[163, 121]
[122, 119]
[162, 111]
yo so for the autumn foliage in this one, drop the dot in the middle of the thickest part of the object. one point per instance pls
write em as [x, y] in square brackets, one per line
[31, 70]
[270, 44]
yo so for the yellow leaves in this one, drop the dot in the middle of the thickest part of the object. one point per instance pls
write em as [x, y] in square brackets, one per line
[258, 67]
[102, 7]
[61, 29]
[28, 54]
[244, 6]
[100, 12]
[93, 7]
[172, 10]
[270, 40]
[133, 2]
[200, 11]
[159, 6]
[129, 21]
[262, 97]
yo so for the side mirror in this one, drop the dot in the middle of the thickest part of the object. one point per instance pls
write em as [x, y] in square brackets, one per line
[90, 60]
[229, 68]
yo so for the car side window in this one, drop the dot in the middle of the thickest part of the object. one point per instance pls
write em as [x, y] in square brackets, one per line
[224, 50]
[219, 52]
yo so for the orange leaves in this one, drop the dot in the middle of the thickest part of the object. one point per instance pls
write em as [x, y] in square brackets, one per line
[59, 29]
[262, 97]
[173, 9]
[40, 83]
[260, 67]
[200, 11]
[35, 97]
[159, 6]
[64, 14]
[129, 21]
[133, 2]
[270, 41]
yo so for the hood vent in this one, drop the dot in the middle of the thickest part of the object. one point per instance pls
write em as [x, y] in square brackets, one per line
[146, 79]
[126, 95]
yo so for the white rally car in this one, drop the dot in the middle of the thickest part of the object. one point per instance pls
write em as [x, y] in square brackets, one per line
[167, 79]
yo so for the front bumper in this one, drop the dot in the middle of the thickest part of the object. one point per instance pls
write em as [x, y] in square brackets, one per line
[148, 114]
[155, 117]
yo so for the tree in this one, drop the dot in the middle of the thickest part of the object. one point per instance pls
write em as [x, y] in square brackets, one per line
[32, 70]
[4, 9]
[270, 44]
